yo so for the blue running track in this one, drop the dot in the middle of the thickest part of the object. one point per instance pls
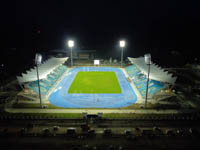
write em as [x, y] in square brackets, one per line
[60, 97]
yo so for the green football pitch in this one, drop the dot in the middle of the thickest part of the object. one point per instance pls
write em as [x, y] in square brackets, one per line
[95, 83]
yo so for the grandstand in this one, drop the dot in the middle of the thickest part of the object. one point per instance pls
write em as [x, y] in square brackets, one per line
[47, 84]
[158, 77]
[157, 73]
[49, 73]
[139, 80]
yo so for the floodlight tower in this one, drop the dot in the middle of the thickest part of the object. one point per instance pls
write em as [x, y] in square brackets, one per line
[71, 45]
[38, 60]
[147, 59]
[122, 45]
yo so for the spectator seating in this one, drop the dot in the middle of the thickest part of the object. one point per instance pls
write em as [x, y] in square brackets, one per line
[140, 81]
[49, 82]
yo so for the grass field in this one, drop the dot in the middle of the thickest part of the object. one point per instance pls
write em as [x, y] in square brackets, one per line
[95, 83]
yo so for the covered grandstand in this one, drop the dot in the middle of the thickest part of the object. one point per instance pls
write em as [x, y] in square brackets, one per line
[49, 73]
[157, 73]
[158, 77]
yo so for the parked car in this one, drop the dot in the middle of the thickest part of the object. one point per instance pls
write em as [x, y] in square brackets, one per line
[71, 131]
[56, 128]
[128, 132]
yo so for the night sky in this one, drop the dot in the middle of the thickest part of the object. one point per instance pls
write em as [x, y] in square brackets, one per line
[157, 26]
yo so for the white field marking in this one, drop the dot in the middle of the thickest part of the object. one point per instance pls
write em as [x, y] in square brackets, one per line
[53, 88]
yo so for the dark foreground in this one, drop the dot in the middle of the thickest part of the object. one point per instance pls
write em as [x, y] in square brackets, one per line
[99, 134]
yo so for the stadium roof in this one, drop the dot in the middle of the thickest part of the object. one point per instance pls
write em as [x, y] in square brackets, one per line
[156, 72]
[43, 69]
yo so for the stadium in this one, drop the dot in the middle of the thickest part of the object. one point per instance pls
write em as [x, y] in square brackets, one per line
[100, 75]
[87, 102]
[93, 85]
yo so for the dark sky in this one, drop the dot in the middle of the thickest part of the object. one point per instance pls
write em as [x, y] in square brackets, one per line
[147, 25]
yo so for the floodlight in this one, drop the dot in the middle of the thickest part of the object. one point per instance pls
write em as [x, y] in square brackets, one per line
[38, 58]
[122, 43]
[147, 59]
[70, 43]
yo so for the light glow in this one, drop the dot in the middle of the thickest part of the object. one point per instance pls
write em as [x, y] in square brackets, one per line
[122, 43]
[71, 43]
[38, 58]
[147, 59]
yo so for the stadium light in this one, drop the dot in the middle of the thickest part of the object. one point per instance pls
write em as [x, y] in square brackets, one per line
[71, 44]
[147, 59]
[122, 45]
[38, 61]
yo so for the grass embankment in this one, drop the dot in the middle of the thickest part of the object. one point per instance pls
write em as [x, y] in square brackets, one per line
[51, 106]
[41, 115]
[29, 105]
[80, 115]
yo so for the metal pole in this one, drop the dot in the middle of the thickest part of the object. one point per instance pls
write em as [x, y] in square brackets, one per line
[39, 87]
[147, 87]
[71, 58]
[122, 57]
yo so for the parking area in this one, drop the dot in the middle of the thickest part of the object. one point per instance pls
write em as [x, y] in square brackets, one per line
[87, 131]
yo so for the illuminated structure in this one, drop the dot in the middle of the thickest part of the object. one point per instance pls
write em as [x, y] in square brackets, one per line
[147, 59]
[38, 60]
[122, 45]
[71, 44]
